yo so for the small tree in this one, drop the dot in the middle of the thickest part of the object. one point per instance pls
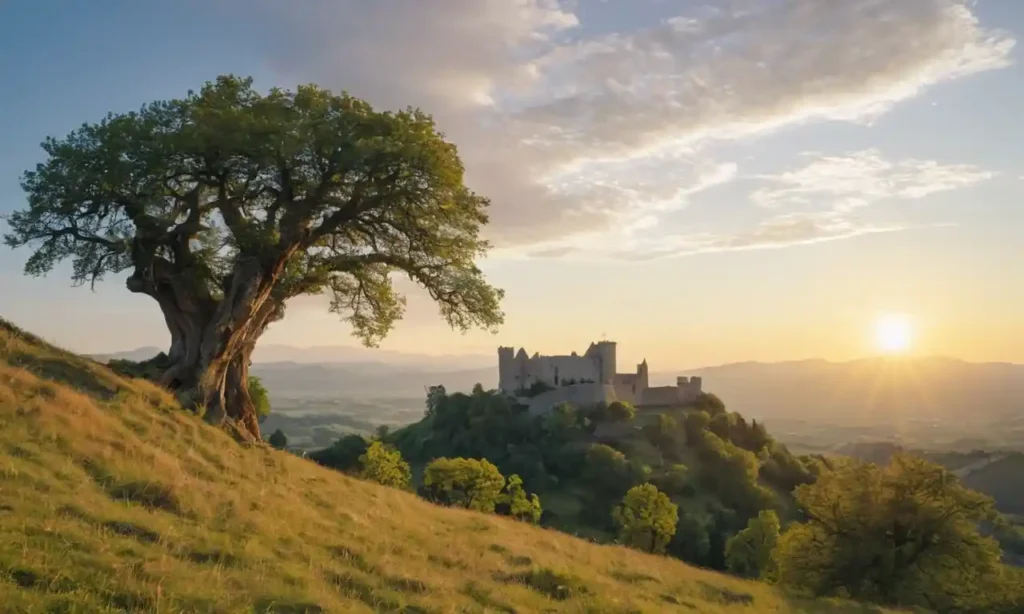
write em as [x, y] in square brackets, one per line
[749, 552]
[463, 482]
[692, 540]
[710, 403]
[695, 423]
[646, 518]
[561, 420]
[435, 396]
[383, 464]
[516, 503]
[619, 411]
[260, 398]
[343, 455]
[675, 480]
[607, 471]
[278, 439]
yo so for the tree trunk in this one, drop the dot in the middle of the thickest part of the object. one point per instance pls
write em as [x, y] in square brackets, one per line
[212, 342]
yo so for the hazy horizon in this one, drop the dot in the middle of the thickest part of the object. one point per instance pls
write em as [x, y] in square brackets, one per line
[354, 354]
[703, 185]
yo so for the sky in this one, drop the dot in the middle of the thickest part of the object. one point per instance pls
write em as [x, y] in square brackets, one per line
[702, 182]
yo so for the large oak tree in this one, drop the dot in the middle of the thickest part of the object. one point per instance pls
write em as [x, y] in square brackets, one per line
[226, 203]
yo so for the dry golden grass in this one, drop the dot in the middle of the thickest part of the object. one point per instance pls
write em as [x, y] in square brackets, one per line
[113, 499]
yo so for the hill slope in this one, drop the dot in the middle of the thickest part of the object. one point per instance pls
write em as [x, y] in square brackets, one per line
[113, 499]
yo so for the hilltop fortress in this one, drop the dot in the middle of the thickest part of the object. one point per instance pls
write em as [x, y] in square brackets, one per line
[587, 379]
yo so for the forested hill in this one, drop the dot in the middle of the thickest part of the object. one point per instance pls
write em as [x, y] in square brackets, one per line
[715, 489]
[718, 468]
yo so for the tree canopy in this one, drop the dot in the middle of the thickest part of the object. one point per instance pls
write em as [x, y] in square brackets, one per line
[646, 518]
[515, 502]
[224, 204]
[749, 552]
[384, 465]
[471, 483]
[278, 439]
[905, 534]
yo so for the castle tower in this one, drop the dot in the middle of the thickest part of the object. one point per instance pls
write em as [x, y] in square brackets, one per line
[605, 351]
[689, 388]
[642, 379]
[506, 369]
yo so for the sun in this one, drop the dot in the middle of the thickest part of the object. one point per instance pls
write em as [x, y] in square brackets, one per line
[893, 333]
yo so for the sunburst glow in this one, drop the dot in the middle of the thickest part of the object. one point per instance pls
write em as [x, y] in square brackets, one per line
[893, 333]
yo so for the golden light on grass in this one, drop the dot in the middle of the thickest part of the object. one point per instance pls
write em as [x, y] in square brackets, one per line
[111, 489]
[894, 333]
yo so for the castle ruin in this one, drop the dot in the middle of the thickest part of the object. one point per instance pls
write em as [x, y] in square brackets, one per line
[587, 379]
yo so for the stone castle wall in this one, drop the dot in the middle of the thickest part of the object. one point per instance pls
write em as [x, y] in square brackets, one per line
[579, 395]
[517, 370]
[593, 378]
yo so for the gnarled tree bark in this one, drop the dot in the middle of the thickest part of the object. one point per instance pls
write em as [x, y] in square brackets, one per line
[212, 340]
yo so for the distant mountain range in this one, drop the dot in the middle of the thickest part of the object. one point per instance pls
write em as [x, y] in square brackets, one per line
[869, 392]
[873, 390]
[337, 354]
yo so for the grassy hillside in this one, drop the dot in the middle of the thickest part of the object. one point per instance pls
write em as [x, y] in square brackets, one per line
[113, 499]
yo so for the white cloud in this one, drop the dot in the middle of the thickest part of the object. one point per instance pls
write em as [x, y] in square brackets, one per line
[821, 201]
[640, 243]
[570, 133]
[861, 178]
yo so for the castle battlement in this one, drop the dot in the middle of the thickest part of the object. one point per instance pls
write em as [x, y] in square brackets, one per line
[595, 368]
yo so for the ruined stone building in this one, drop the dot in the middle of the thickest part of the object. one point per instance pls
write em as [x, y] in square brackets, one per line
[587, 379]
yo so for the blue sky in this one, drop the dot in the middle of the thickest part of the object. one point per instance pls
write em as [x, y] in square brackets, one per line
[704, 182]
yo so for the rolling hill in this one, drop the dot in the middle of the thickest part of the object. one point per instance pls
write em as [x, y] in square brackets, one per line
[113, 499]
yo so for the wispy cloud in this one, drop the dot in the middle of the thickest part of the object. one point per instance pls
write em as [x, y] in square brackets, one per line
[574, 136]
[861, 178]
[819, 201]
[638, 244]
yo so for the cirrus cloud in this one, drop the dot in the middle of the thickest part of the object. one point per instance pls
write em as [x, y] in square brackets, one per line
[575, 133]
[864, 177]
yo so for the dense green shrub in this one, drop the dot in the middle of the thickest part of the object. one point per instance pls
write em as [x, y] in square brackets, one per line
[620, 411]
[905, 534]
[749, 552]
[383, 464]
[343, 455]
[731, 473]
[676, 480]
[516, 503]
[709, 403]
[695, 425]
[646, 518]
[692, 540]
[608, 472]
[463, 482]
[278, 439]
[783, 470]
